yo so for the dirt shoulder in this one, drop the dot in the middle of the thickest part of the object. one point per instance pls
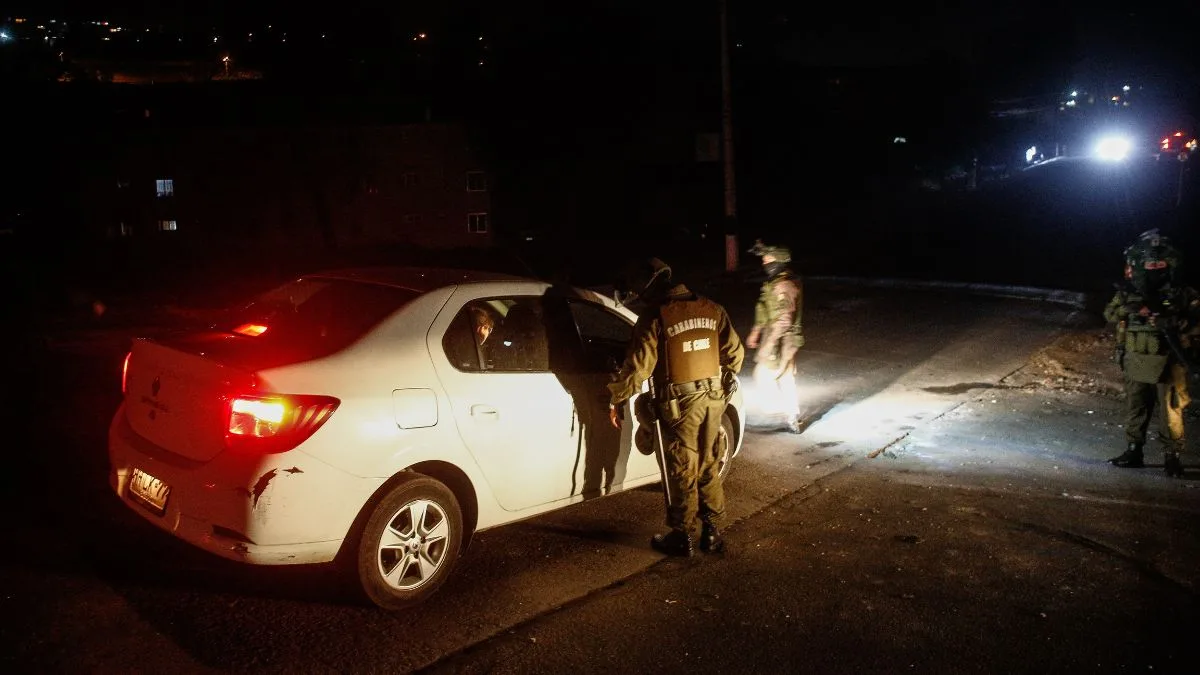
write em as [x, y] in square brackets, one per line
[1080, 360]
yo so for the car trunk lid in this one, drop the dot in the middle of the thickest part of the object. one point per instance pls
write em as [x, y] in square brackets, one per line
[177, 394]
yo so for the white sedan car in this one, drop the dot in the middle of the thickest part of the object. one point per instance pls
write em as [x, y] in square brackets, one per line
[357, 416]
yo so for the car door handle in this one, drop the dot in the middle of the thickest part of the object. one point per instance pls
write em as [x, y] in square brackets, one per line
[485, 411]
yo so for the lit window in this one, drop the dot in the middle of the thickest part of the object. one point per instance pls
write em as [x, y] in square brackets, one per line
[477, 223]
[167, 226]
[165, 187]
[126, 229]
[476, 181]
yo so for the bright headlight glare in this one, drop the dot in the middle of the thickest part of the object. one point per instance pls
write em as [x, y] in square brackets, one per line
[1113, 148]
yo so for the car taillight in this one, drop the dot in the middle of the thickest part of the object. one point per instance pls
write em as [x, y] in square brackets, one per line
[125, 373]
[275, 423]
[251, 329]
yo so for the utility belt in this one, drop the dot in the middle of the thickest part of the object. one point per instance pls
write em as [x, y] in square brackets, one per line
[694, 387]
[666, 407]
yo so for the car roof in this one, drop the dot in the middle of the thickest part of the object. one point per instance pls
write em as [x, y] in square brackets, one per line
[419, 279]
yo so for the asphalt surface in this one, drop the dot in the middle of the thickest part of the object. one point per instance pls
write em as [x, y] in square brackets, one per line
[896, 566]
[993, 538]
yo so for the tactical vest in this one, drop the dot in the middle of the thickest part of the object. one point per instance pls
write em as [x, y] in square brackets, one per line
[691, 340]
[1140, 337]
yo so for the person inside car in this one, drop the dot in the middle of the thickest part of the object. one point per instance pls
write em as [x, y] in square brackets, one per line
[484, 325]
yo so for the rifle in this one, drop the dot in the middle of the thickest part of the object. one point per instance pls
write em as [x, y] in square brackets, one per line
[1170, 332]
[1165, 314]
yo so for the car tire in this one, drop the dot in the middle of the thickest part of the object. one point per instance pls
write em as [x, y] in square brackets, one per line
[726, 440]
[410, 543]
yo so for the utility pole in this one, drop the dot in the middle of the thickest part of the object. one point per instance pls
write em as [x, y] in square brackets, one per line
[731, 226]
[1182, 168]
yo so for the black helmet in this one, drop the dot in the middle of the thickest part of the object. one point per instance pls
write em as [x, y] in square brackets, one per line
[646, 280]
[1154, 263]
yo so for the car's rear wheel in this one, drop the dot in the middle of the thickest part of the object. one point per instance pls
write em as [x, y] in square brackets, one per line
[725, 445]
[410, 543]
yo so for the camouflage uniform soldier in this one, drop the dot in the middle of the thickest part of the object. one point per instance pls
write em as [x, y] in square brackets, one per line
[688, 346]
[1156, 318]
[778, 328]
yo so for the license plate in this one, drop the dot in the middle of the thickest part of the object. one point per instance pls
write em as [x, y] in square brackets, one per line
[149, 491]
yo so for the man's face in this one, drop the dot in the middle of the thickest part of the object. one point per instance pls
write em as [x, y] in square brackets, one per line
[483, 330]
[768, 259]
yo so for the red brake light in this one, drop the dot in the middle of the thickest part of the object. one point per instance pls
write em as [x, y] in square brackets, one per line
[125, 373]
[275, 423]
[251, 329]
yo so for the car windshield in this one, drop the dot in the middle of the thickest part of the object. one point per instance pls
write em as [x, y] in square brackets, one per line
[316, 316]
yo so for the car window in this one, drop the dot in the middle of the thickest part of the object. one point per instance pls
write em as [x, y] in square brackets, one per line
[515, 341]
[459, 343]
[520, 337]
[596, 322]
[468, 340]
[316, 317]
[605, 334]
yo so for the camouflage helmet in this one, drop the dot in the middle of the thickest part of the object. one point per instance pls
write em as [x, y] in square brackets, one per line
[781, 253]
[1153, 262]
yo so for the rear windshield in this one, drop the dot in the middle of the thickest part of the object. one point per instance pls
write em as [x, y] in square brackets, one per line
[316, 317]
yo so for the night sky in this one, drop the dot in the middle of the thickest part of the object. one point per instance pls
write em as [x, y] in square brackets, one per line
[580, 99]
[1014, 45]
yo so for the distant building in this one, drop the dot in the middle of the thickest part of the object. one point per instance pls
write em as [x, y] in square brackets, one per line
[289, 187]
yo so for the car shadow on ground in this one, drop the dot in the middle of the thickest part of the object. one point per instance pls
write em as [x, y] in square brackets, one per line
[135, 556]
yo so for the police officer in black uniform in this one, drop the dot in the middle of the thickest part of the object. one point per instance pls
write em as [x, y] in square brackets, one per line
[688, 346]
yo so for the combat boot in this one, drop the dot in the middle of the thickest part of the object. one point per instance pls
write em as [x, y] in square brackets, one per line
[711, 540]
[1130, 459]
[675, 542]
[1171, 465]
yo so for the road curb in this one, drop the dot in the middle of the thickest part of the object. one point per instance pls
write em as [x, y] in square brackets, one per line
[1075, 299]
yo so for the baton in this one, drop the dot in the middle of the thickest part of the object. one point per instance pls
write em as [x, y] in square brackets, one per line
[659, 450]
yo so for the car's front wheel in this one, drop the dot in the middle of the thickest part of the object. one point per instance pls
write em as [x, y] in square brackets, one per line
[410, 543]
